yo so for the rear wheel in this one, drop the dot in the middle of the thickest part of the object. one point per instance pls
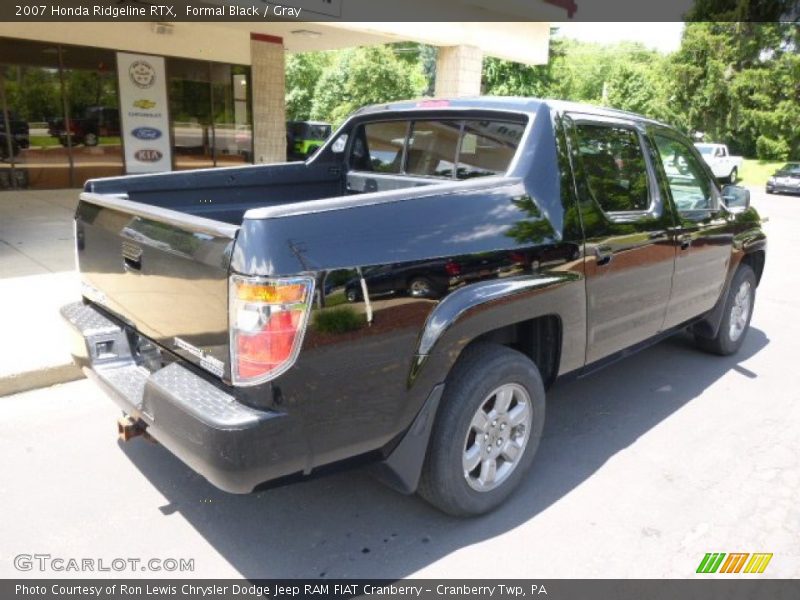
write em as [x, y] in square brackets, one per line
[486, 433]
[421, 287]
[736, 319]
[91, 139]
[734, 176]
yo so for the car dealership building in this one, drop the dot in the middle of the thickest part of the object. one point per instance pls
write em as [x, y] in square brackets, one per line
[93, 99]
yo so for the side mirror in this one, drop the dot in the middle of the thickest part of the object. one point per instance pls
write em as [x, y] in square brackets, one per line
[736, 197]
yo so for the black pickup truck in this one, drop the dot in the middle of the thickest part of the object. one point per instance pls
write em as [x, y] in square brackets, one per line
[215, 309]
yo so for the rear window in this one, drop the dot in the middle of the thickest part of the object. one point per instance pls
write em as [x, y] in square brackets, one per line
[793, 168]
[441, 148]
[487, 148]
[379, 147]
[432, 148]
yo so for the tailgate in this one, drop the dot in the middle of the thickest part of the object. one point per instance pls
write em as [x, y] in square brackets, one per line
[163, 272]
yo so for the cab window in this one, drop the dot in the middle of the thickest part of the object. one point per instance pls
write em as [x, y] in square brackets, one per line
[690, 186]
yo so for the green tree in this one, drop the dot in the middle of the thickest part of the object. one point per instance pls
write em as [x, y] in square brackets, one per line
[362, 76]
[507, 78]
[303, 71]
[739, 82]
[422, 55]
[33, 93]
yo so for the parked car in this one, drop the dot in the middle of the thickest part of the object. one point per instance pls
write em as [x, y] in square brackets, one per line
[211, 335]
[723, 165]
[785, 180]
[8, 147]
[20, 134]
[88, 128]
[303, 138]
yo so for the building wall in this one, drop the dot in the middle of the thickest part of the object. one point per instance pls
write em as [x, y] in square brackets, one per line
[458, 71]
[202, 41]
[269, 98]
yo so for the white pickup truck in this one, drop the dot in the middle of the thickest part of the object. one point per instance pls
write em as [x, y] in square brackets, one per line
[720, 160]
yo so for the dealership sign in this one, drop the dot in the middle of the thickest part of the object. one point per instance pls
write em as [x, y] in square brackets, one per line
[145, 120]
[146, 133]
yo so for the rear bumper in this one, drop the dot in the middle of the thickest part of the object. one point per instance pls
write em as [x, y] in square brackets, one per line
[232, 445]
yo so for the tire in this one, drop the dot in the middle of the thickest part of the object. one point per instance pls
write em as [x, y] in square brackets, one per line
[90, 139]
[734, 176]
[482, 370]
[421, 287]
[734, 325]
[767, 190]
[352, 295]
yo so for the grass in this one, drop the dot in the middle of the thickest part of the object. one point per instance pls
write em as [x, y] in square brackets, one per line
[48, 141]
[43, 141]
[756, 172]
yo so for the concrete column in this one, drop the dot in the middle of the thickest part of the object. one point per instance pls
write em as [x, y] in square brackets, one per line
[458, 71]
[269, 98]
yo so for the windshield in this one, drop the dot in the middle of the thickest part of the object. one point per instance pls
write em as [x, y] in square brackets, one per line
[706, 150]
[318, 132]
[793, 168]
[309, 131]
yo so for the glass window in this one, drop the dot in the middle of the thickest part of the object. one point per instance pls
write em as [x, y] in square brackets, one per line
[487, 148]
[90, 78]
[33, 154]
[688, 182]
[379, 147]
[614, 167]
[791, 168]
[190, 110]
[432, 148]
[232, 135]
[481, 147]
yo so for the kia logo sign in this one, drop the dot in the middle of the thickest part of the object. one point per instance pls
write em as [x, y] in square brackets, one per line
[146, 133]
[148, 155]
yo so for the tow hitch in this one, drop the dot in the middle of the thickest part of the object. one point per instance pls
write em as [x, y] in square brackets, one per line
[129, 428]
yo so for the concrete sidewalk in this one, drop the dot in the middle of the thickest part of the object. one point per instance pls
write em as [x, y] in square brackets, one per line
[37, 277]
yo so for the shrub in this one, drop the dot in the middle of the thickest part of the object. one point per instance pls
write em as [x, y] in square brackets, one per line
[337, 320]
[771, 149]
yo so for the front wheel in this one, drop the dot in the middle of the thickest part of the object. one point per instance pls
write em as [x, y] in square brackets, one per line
[734, 176]
[91, 139]
[738, 312]
[486, 432]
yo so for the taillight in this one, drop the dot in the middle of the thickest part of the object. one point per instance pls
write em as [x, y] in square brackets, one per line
[268, 318]
[453, 268]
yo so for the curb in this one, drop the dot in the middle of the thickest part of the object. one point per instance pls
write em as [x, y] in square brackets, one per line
[44, 377]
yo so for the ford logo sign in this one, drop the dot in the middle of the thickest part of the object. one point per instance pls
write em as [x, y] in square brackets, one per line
[148, 155]
[146, 133]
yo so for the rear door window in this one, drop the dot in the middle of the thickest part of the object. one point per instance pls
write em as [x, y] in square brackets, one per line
[614, 166]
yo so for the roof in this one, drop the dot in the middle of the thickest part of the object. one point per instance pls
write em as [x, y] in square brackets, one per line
[510, 103]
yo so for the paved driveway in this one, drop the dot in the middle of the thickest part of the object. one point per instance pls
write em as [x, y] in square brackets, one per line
[644, 468]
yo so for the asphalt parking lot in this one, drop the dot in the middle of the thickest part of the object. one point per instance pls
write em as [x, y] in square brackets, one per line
[644, 467]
